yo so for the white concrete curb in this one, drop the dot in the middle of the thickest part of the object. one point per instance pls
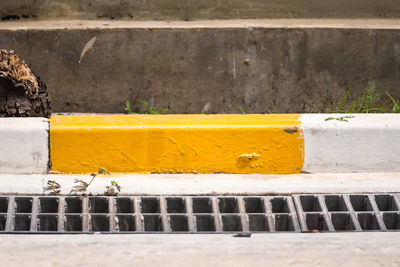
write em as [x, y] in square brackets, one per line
[351, 142]
[24, 145]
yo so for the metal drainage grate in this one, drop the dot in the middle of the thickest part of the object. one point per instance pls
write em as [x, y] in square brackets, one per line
[147, 214]
[203, 214]
[348, 212]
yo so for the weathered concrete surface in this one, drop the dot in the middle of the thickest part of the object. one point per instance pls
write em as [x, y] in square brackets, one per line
[209, 67]
[212, 184]
[197, 9]
[329, 249]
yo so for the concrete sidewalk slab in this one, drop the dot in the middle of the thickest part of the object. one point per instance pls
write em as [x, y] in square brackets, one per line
[333, 249]
[212, 184]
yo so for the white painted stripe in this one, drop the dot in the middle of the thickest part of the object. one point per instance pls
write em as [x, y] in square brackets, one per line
[24, 144]
[356, 143]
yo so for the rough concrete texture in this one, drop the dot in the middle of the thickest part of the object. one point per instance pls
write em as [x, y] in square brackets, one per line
[196, 9]
[211, 184]
[311, 249]
[209, 67]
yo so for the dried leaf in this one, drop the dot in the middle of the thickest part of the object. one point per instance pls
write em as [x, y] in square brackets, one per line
[87, 46]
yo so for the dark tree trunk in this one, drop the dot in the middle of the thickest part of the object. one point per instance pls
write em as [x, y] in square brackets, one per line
[22, 93]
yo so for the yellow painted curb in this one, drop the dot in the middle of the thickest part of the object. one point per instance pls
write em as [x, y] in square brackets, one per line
[177, 143]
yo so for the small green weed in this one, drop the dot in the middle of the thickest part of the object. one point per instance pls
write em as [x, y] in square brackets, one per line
[148, 108]
[369, 102]
[113, 189]
[343, 118]
[128, 108]
[273, 111]
[82, 186]
[52, 187]
[395, 107]
[269, 111]
[242, 110]
[363, 104]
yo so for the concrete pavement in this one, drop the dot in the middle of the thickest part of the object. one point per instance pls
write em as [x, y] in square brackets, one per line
[211, 184]
[333, 249]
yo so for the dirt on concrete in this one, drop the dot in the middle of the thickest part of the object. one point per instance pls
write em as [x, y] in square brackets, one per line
[22, 93]
[196, 9]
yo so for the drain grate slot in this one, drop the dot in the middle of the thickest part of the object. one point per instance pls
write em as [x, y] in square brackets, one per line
[98, 205]
[202, 205]
[22, 222]
[386, 203]
[3, 220]
[126, 223]
[150, 205]
[23, 205]
[283, 222]
[391, 220]
[368, 221]
[228, 205]
[73, 205]
[48, 205]
[99, 223]
[125, 205]
[231, 223]
[153, 223]
[3, 204]
[342, 222]
[179, 223]
[360, 203]
[47, 223]
[202, 214]
[205, 223]
[254, 205]
[73, 223]
[258, 223]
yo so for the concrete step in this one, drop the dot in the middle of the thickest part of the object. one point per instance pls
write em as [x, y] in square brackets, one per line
[197, 9]
[208, 66]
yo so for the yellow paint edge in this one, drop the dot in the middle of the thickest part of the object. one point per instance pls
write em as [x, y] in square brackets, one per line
[248, 144]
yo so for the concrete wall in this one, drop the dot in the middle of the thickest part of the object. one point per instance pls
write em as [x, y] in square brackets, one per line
[197, 9]
[206, 69]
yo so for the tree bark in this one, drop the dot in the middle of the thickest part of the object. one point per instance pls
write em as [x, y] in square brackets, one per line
[22, 93]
